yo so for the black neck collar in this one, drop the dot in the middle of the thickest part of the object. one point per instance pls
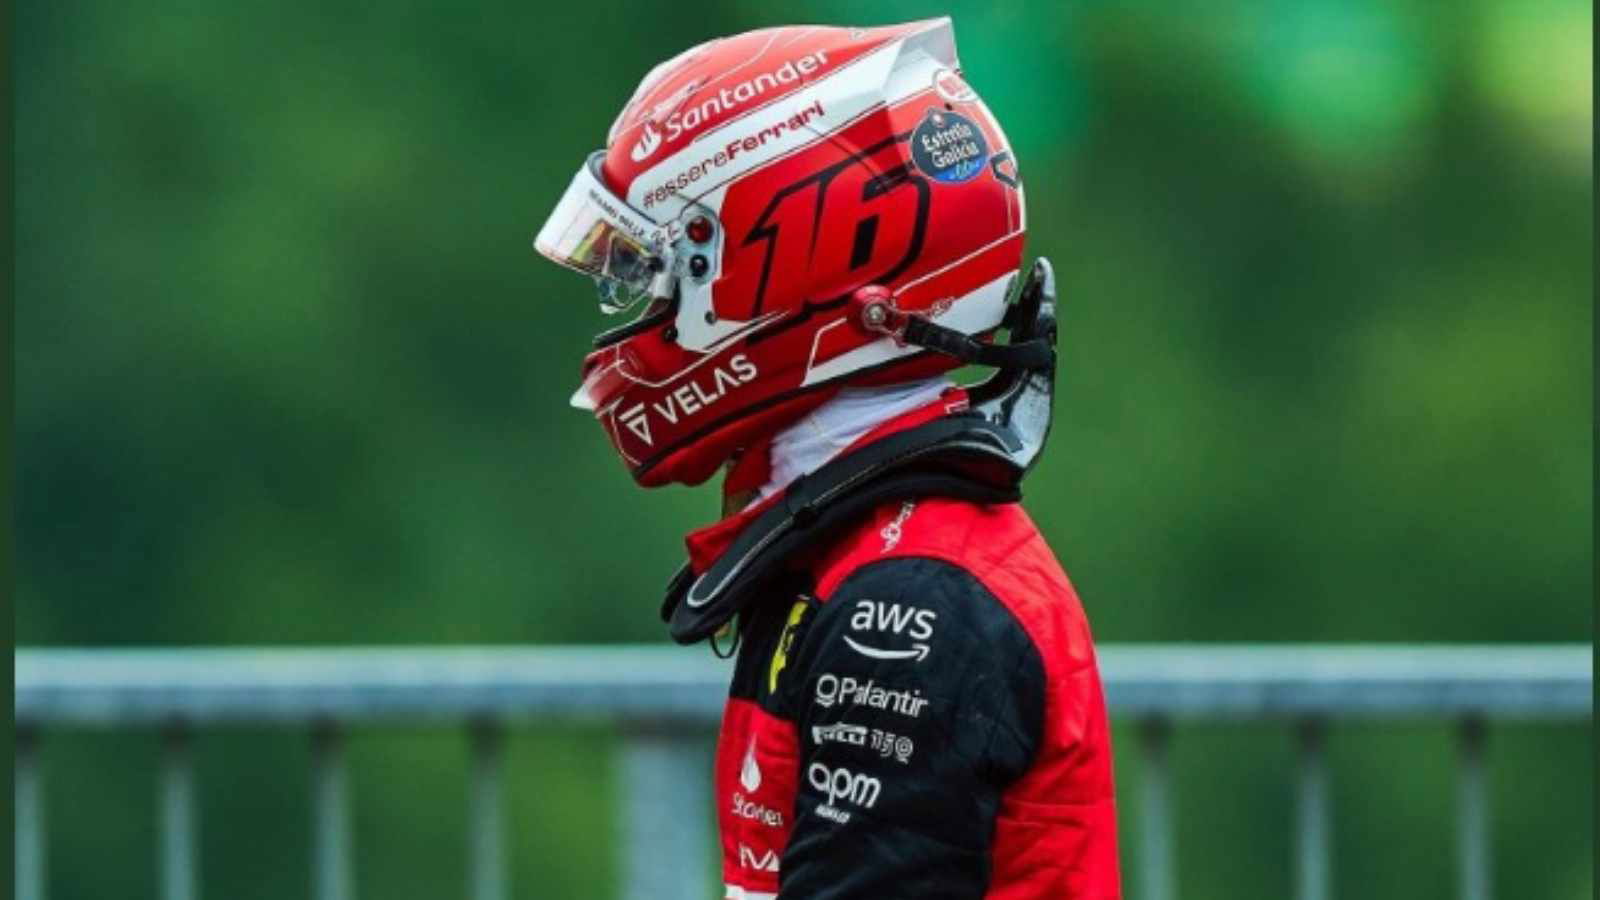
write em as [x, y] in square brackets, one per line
[963, 456]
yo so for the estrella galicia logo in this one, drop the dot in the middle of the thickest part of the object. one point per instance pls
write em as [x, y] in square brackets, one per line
[949, 147]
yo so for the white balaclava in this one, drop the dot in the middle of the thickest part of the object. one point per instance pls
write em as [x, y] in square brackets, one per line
[818, 437]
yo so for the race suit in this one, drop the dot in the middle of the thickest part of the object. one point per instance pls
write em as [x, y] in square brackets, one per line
[916, 712]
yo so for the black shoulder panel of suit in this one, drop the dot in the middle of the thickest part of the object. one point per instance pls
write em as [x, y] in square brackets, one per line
[917, 698]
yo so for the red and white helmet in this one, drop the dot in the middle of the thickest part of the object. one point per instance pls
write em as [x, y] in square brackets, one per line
[755, 192]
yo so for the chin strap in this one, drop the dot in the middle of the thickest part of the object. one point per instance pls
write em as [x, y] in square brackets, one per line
[921, 331]
[877, 313]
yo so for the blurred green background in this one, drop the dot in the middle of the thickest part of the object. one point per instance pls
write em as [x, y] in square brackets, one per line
[289, 373]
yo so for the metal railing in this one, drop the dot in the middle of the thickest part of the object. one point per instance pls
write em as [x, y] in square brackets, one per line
[665, 702]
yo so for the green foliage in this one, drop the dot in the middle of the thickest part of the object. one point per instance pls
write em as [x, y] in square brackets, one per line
[288, 372]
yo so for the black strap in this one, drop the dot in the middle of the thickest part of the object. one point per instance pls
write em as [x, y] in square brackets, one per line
[1037, 353]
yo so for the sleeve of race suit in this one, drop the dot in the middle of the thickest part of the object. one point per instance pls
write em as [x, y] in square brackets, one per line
[920, 699]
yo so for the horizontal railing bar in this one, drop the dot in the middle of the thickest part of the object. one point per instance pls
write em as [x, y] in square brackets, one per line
[674, 686]
[1350, 681]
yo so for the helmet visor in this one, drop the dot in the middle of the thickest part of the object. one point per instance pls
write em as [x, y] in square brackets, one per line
[595, 232]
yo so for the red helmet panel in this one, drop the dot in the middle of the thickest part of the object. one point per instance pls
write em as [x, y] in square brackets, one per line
[788, 168]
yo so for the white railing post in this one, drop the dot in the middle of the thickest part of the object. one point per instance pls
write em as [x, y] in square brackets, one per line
[179, 826]
[667, 848]
[1157, 865]
[29, 801]
[1472, 802]
[1313, 837]
[332, 872]
[487, 879]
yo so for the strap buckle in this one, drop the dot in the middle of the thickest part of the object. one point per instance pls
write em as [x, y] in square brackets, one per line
[876, 312]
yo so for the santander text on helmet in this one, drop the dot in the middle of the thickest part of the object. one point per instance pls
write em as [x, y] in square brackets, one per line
[727, 98]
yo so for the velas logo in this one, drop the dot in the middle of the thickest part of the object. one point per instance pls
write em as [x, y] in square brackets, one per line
[649, 140]
[690, 398]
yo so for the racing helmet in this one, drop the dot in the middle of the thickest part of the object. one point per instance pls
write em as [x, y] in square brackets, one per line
[776, 206]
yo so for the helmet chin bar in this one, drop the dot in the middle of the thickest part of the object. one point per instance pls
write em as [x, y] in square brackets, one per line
[1019, 396]
[660, 311]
